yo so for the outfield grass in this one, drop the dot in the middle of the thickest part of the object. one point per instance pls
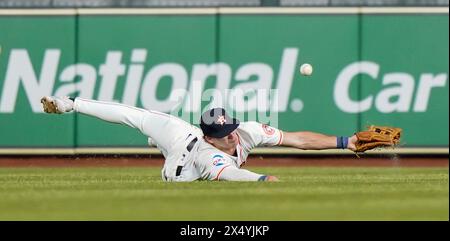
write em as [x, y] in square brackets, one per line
[303, 194]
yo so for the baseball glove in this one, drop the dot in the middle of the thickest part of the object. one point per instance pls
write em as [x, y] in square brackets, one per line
[377, 137]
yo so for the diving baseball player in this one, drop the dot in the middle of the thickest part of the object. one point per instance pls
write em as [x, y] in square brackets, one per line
[215, 151]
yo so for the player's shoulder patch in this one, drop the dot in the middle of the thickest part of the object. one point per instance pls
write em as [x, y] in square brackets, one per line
[268, 129]
[218, 160]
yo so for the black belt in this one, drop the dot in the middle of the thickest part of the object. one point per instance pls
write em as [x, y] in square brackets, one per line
[189, 149]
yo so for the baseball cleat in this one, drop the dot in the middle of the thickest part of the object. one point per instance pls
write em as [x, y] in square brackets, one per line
[57, 105]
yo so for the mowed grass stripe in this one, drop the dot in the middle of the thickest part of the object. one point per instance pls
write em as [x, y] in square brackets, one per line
[304, 194]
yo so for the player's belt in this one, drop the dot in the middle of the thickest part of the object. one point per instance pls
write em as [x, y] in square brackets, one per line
[189, 149]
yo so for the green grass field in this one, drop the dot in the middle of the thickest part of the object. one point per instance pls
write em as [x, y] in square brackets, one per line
[304, 194]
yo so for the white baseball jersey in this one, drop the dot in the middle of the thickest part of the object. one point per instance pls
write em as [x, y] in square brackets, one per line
[212, 162]
[188, 156]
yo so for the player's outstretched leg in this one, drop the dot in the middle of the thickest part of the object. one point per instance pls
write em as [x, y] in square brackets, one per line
[57, 105]
[164, 130]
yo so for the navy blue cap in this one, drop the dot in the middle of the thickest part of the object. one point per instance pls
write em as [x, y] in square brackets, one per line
[216, 123]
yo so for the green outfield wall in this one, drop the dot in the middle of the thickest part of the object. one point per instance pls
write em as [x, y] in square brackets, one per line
[385, 67]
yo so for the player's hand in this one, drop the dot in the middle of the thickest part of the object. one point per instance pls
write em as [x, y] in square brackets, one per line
[272, 179]
[352, 143]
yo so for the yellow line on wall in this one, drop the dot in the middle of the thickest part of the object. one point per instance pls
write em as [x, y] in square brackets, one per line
[334, 10]
[226, 10]
[148, 11]
[40, 11]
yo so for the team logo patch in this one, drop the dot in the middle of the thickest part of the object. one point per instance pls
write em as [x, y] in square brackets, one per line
[218, 160]
[221, 120]
[268, 130]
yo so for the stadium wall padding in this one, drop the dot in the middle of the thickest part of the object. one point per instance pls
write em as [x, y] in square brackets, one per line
[384, 69]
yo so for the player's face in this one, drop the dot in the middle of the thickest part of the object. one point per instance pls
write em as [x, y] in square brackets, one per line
[226, 142]
[231, 139]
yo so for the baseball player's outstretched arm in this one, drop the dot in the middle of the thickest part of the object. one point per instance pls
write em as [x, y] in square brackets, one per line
[231, 173]
[315, 141]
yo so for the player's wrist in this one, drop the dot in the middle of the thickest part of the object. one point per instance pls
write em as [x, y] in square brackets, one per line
[342, 142]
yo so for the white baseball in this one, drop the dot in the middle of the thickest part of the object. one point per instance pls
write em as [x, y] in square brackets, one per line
[306, 69]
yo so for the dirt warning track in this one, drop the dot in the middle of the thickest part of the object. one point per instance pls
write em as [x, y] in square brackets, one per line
[254, 160]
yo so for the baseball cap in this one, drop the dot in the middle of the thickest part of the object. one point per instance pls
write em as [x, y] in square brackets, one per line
[216, 123]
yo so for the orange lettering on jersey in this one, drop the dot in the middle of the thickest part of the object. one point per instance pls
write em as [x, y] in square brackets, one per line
[268, 130]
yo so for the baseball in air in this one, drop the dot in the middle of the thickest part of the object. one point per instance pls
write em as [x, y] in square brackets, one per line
[306, 69]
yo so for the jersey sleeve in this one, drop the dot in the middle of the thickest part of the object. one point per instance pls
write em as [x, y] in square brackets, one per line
[232, 173]
[257, 134]
[217, 167]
